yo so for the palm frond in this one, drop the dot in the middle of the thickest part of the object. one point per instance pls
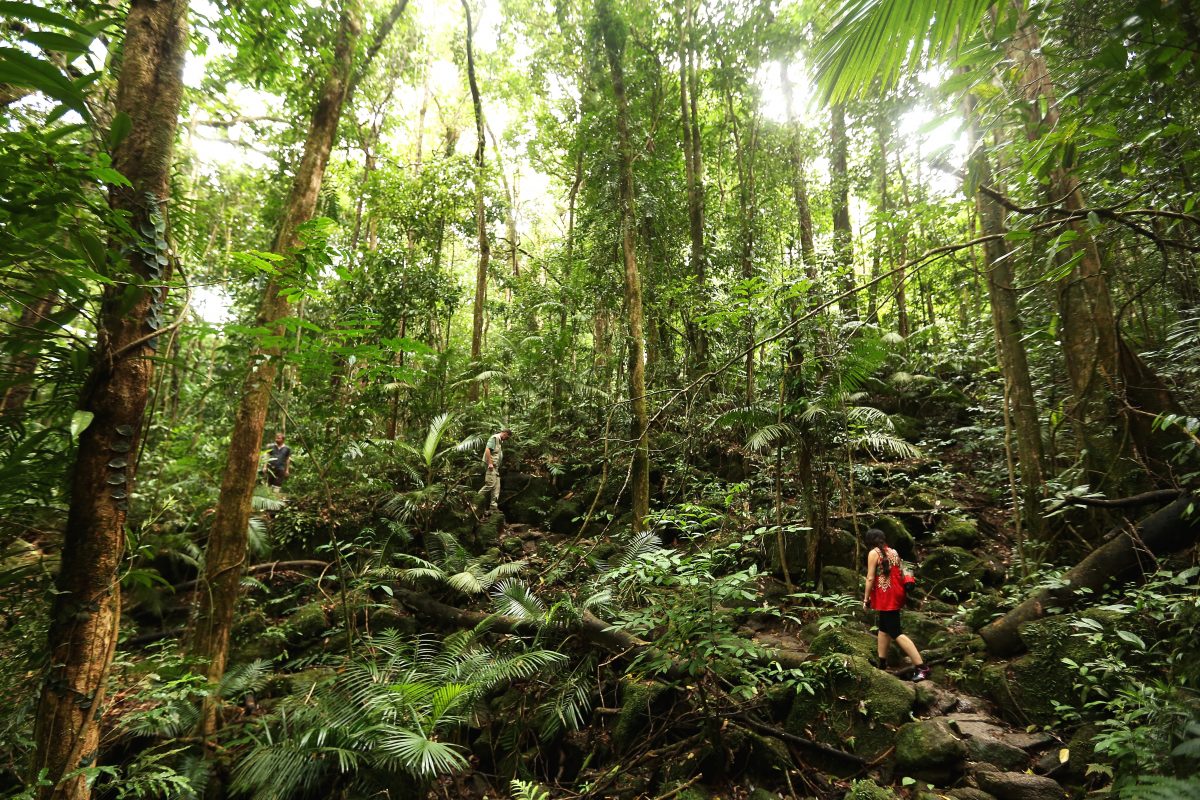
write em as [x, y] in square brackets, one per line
[425, 757]
[889, 444]
[469, 581]
[636, 547]
[437, 429]
[768, 435]
[513, 598]
[872, 42]
[868, 415]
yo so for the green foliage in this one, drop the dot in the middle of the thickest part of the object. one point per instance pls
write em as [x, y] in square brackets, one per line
[387, 717]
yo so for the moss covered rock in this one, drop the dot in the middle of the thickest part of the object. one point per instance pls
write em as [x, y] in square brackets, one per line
[869, 790]
[841, 580]
[307, 622]
[639, 700]
[564, 516]
[857, 707]
[1035, 683]
[926, 744]
[898, 535]
[951, 573]
[846, 640]
[959, 532]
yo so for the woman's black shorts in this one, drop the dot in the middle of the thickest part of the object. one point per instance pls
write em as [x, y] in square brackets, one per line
[889, 623]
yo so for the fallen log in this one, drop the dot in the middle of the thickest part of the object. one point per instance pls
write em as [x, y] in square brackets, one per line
[1125, 555]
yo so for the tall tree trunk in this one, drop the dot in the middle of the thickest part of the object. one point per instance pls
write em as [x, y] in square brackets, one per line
[843, 253]
[1090, 340]
[882, 221]
[87, 605]
[23, 363]
[697, 336]
[747, 200]
[614, 45]
[1006, 323]
[808, 250]
[485, 249]
[226, 553]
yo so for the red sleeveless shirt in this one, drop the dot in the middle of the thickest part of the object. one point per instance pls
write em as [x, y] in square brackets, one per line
[888, 592]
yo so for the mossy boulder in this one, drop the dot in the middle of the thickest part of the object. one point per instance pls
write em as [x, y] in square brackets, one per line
[897, 535]
[959, 532]
[846, 640]
[869, 790]
[856, 707]
[906, 427]
[928, 744]
[839, 548]
[307, 622]
[841, 580]
[1035, 683]
[565, 516]
[526, 499]
[951, 573]
[640, 700]
[487, 531]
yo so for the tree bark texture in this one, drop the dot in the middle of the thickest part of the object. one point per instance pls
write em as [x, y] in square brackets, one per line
[843, 252]
[614, 46]
[225, 557]
[485, 249]
[1127, 554]
[87, 607]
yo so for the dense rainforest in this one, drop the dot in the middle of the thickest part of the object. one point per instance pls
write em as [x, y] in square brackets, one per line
[580, 399]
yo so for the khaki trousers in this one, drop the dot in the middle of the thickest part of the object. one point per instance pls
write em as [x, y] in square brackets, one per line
[491, 483]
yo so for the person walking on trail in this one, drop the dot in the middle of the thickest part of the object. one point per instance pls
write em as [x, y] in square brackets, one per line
[279, 463]
[885, 592]
[493, 454]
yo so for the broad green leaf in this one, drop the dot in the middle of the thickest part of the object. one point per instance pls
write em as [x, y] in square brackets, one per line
[80, 421]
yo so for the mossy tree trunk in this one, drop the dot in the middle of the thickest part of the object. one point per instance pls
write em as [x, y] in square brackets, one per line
[87, 605]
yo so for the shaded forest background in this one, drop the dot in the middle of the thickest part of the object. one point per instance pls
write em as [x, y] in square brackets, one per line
[744, 278]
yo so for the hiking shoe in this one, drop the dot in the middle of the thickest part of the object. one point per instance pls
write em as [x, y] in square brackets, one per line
[921, 674]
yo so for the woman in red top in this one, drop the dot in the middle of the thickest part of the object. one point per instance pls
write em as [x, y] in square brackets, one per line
[885, 593]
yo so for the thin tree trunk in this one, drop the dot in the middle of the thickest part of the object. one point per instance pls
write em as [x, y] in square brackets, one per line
[843, 252]
[744, 160]
[87, 605]
[23, 364]
[614, 45]
[882, 221]
[697, 337]
[485, 250]
[226, 553]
